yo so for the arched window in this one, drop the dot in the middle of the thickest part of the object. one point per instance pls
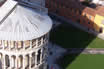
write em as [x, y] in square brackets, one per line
[20, 44]
[13, 61]
[0, 43]
[45, 38]
[33, 59]
[7, 61]
[39, 41]
[5, 43]
[38, 59]
[44, 54]
[34, 43]
[27, 44]
[27, 61]
[1, 60]
[20, 62]
[12, 44]
[16, 44]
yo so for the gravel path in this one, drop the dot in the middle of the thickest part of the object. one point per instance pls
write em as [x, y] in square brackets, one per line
[86, 51]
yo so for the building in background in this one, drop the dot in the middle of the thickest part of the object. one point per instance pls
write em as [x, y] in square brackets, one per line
[24, 34]
[87, 14]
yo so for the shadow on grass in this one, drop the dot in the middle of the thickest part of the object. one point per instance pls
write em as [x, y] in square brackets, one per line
[66, 61]
[68, 36]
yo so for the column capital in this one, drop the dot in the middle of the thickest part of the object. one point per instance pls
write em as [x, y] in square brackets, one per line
[4, 54]
[36, 53]
[23, 45]
[9, 45]
[30, 44]
[17, 56]
[4, 61]
[36, 42]
[24, 56]
[3, 44]
[30, 55]
[41, 50]
[42, 41]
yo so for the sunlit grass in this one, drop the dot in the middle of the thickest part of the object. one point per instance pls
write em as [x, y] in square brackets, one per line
[83, 61]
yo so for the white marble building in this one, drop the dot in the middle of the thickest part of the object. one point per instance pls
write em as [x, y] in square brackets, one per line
[24, 35]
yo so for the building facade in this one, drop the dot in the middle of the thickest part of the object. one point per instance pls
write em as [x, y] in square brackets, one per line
[24, 36]
[89, 16]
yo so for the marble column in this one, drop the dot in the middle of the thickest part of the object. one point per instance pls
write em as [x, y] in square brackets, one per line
[30, 44]
[10, 60]
[4, 62]
[3, 44]
[12, 64]
[23, 45]
[9, 43]
[42, 41]
[41, 55]
[19, 61]
[36, 56]
[36, 42]
[30, 59]
[24, 61]
[16, 62]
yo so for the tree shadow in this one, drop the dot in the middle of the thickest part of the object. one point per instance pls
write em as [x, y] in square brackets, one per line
[66, 35]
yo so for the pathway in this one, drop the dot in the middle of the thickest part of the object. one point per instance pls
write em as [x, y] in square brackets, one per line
[86, 51]
[55, 52]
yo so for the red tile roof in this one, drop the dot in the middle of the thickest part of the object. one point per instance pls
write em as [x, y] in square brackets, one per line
[89, 11]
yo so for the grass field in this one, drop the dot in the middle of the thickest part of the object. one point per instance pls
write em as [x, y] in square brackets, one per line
[71, 37]
[82, 62]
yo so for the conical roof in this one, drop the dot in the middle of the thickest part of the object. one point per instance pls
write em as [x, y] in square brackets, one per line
[24, 24]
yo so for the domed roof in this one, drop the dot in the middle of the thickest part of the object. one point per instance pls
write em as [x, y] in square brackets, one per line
[24, 24]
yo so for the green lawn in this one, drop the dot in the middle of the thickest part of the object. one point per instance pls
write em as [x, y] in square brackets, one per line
[82, 62]
[71, 37]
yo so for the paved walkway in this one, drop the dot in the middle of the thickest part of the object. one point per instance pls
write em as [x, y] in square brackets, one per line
[55, 52]
[85, 51]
